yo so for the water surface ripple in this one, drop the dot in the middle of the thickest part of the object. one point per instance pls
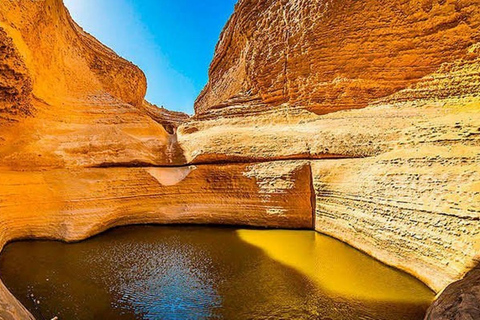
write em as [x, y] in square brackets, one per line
[162, 272]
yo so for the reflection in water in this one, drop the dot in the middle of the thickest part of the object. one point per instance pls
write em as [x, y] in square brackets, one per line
[207, 273]
[170, 282]
[338, 268]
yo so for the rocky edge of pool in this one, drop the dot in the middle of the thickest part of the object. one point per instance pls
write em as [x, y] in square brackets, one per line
[359, 120]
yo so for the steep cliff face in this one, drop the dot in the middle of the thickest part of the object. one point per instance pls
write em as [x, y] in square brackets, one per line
[406, 190]
[62, 59]
[397, 178]
[333, 55]
[67, 100]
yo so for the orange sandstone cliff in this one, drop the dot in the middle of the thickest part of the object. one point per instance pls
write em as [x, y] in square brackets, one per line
[81, 151]
[333, 55]
[396, 168]
[360, 119]
[383, 99]
[67, 100]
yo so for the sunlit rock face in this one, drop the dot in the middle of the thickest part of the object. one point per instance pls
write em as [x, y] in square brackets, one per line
[16, 84]
[77, 203]
[68, 101]
[395, 167]
[333, 55]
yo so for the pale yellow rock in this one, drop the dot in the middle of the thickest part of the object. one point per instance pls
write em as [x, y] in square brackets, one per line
[407, 191]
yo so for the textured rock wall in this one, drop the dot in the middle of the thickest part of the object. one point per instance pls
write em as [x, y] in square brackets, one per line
[64, 61]
[170, 120]
[69, 100]
[42, 204]
[81, 151]
[397, 178]
[73, 204]
[407, 188]
[408, 193]
[459, 301]
[333, 55]
[15, 82]
[417, 213]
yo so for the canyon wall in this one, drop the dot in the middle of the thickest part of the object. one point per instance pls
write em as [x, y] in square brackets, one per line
[358, 119]
[383, 98]
[81, 151]
[72, 204]
[396, 167]
[333, 55]
[68, 101]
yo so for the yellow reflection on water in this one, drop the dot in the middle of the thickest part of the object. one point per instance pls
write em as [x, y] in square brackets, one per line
[338, 268]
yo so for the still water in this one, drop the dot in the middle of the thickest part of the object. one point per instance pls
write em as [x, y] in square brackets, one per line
[158, 272]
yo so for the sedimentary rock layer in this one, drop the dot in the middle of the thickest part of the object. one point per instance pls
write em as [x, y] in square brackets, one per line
[81, 150]
[73, 204]
[333, 55]
[69, 101]
[408, 193]
[431, 227]
[406, 190]
[170, 120]
[15, 82]
[62, 59]
[42, 204]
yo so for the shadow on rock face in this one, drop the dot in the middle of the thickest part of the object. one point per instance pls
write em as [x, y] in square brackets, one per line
[459, 301]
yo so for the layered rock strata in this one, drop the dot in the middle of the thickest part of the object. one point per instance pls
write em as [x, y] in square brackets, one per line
[74, 204]
[333, 55]
[398, 178]
[406, 190]
[394, 171]
[69, 101]
[77, 203]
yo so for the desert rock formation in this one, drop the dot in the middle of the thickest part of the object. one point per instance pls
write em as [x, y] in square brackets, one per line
[404, 185]
[67, 100]
[358, 119]
[396, 166]
[333, 55]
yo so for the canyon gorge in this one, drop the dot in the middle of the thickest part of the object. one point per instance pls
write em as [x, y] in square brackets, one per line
[358, 119]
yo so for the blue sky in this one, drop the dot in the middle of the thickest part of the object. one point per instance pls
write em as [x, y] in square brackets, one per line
[172, 41]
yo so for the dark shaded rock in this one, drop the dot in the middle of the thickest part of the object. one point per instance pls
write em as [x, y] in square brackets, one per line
[459, 301]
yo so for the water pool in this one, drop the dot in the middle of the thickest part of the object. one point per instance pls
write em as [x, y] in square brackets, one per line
[183, 272]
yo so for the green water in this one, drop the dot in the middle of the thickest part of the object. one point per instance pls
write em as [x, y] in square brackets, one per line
[157, 272]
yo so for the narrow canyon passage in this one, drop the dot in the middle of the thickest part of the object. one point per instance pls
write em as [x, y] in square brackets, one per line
[357, 119]
[183, 272]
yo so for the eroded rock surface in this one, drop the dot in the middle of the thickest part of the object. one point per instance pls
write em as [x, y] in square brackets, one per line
[394, 171]
[397, 178]
[459, 301]
[72, 204]
[409, 193]
[15, 82]
[333, 55]
[69, 101]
